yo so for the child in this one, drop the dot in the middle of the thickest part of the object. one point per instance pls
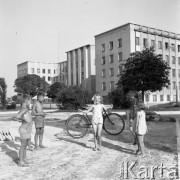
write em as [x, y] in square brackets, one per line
[25, 129]
[141, 128]
[97, 94]
[97, 120]
[37, 111]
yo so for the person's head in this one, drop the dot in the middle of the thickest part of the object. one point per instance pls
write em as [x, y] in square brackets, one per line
[97, 99]
[97, 94]
[40, 97]
[141, 106]
[26, 100]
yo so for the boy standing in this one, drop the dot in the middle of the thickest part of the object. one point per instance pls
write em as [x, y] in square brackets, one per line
[25, 129]
[39, 114]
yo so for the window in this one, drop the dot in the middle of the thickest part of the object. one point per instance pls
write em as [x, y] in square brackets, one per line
[166, 46]
[56, 78]
[54, 71]
[44, 77]
[120, 56]
[38, 70]
[179, 73]
[168, 97]
[173, 72]
[32, 70]
[119, 42]
[161, 97]
[120, 69]
[147, 97]
[49, 78]
[173, 47]
[111, 45]
[154, 98]
[137, 41]
[103, 48]
[103, 73]
[82, 75]
[174, 85]
[173, 60]
[178, 60]
[103, 86]
[111, 85]
[145, 43]
[111, 72]
[153, 43]
[178, 48]
[160, 44]
[49, 71]
[179, 85]
[103, 60]
[111, 59]
[167, 59]
[43, 70]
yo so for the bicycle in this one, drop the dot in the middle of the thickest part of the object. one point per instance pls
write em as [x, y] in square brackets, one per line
[77, 125]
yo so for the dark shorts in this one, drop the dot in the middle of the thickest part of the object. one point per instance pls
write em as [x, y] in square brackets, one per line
[39, 122]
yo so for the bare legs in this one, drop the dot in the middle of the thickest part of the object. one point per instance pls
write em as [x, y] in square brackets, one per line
[39, 135]
[141, 144]
[97, 128]
[22, 152]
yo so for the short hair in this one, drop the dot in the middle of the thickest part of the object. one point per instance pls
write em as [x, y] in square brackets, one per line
[25, 97]
[40, 94]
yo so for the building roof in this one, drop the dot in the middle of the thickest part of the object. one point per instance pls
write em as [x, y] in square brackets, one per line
[133, 24]
[35, 62]
[80, 47]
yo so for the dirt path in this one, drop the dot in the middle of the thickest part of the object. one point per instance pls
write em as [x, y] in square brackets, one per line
[67, 158]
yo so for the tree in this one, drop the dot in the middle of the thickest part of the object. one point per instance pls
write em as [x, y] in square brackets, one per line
[30, 84]
[144, 71]
[3, 90]
[73, 97]
[54, 89]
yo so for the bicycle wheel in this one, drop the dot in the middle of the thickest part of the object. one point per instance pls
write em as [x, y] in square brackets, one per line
[77, 126]
[114, 124]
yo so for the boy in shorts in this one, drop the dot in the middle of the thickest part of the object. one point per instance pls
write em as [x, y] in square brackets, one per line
[25, 129]
[39, 114]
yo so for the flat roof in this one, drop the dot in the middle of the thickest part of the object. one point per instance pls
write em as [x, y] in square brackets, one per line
[36, 62]
[133, 24]
[80, 47]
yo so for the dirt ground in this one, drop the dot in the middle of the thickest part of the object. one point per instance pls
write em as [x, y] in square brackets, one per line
[68, 158]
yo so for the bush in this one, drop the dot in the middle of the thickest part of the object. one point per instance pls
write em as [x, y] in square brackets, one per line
[11, 106]
[73, 97]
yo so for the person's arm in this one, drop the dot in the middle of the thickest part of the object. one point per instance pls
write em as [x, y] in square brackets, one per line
[89, 110]
[19, 116]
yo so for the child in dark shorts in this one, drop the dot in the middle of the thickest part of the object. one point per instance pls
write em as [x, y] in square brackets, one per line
[39, 114]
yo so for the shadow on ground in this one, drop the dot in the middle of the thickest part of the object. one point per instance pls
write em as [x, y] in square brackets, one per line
[160, 136]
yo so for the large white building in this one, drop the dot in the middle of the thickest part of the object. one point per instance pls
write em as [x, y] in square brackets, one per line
[62, 76]
[112, 49]
[81, 67]
[42, 69]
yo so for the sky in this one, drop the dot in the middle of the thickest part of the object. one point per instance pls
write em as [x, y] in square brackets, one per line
[30, 30]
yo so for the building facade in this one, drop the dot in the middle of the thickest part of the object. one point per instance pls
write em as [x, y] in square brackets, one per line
[62, 76]
[42, 69]
[81, 67]
[112, 49]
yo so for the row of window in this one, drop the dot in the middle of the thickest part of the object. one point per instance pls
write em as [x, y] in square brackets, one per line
[173, 59]
[43, 71]
[162, 98]
[160, 45]
[111, 58]
[111, 45]
[111, 71]
[111, 85]
[48, 78]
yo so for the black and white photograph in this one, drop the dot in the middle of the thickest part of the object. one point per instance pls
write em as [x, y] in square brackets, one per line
[89, 89]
